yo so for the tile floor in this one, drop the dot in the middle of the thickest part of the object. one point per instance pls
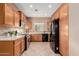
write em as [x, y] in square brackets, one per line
[39, 49]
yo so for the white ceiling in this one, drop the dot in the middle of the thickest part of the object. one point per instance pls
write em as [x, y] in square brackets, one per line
[43, 9]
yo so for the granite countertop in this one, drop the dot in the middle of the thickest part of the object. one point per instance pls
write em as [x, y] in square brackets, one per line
[38, 33]
[10, 38]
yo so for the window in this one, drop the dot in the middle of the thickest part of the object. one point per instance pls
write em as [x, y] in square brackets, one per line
[39, 26]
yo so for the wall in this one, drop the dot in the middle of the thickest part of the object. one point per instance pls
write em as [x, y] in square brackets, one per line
[39, 20]
[74, 29]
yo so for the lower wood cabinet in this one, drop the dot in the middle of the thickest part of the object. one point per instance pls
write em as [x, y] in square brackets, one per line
[36, 38]
[40, 37]
[12, 48]
[22, 44]
[17, 47]
[6, 48]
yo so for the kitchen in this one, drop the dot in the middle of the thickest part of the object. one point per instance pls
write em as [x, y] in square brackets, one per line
[20, 26]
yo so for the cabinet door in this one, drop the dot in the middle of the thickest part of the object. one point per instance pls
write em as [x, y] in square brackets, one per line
[1, 14]
[9, 15]
[17, 18]
[56, 15]
[29, 24]
[17, 47]
[6, 48]
[36, 38]
[63, 30]
[22, 45]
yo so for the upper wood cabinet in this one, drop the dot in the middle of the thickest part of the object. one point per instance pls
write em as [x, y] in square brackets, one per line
[17, 19]
[28, 24]
[2, 17]
[24, 19]
[55, 15]
[22, 16]
[63, 30]
[63, 11]
[9, 15]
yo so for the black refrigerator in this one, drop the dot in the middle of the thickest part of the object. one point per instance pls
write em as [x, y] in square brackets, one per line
[54, 36]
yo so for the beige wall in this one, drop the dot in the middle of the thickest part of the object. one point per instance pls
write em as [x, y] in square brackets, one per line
[74, 29]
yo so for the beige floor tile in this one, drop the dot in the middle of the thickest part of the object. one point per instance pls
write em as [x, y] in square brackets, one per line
[39, 49]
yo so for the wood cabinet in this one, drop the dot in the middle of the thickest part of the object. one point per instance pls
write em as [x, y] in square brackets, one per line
[6, 48]
[62, 14]
[1, 14]
[55, 15]
[17, 19]
[63, 30]
[24, 19]
[22, 44]
[28, 24]
[9, 15]
[22, 16]
[36, 37]
[17, 47]
[12, 48]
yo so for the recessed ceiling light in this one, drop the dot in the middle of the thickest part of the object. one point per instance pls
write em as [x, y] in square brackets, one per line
[36, 10]
[50, 6]
[31, 6]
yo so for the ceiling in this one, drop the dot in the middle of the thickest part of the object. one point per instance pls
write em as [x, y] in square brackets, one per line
[38, 9]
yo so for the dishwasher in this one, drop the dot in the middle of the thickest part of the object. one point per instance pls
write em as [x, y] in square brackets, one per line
[27, 41]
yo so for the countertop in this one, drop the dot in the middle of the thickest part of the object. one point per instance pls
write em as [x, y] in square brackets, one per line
[10, 38]
[38, 33]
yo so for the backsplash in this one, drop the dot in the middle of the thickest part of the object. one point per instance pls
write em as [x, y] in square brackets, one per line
[4, 31]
